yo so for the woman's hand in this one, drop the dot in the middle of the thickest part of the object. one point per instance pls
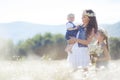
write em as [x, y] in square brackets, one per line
[85, 42]
[72, 40]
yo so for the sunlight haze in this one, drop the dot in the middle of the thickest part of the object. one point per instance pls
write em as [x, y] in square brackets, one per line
[54, 11]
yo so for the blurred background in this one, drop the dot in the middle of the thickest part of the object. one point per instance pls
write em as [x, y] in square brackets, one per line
[35, 29]
[38, 27]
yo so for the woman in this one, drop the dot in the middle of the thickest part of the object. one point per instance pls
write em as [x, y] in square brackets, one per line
[79, 56]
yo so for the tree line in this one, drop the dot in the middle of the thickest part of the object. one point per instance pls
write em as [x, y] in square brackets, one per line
[47, 46]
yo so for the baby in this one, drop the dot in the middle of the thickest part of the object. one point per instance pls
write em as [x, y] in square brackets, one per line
[71, 31]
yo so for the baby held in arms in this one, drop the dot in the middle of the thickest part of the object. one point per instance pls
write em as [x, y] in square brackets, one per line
[71, 31]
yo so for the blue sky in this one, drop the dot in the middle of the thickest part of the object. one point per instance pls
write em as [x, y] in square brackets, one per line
[54, 11]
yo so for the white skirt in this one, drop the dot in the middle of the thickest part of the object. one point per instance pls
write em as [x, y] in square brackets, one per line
[79, 57]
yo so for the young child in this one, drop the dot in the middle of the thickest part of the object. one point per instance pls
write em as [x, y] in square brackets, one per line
[71, 31]
[102, 56]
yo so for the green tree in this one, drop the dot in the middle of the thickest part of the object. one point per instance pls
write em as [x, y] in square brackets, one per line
[114, 47]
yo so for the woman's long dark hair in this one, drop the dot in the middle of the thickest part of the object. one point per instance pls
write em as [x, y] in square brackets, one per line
[92, 23]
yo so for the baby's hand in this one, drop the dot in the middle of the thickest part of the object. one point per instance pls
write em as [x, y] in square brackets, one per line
[78, 25]
[76, 28]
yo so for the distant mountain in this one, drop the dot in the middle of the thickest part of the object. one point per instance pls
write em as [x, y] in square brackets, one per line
[23, 30]
[112, 29]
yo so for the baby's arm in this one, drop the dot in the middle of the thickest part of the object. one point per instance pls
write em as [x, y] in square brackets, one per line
[72, 28]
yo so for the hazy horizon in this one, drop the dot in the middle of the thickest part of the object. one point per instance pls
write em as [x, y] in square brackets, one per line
[17, 31]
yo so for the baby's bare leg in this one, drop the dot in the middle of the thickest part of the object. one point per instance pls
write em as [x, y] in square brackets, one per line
[69, 48]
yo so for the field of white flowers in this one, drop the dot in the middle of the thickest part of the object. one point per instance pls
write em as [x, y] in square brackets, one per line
[53, 70]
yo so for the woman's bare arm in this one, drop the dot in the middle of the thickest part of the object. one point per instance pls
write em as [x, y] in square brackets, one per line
[71, 41]
[89, 39]
[72, 28]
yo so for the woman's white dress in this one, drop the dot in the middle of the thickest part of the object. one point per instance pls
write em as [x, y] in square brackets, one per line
[79, 57]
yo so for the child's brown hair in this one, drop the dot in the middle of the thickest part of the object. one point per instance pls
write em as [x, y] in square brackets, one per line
[104, 34]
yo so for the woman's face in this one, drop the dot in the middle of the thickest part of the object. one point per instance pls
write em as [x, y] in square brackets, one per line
[85, 19]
